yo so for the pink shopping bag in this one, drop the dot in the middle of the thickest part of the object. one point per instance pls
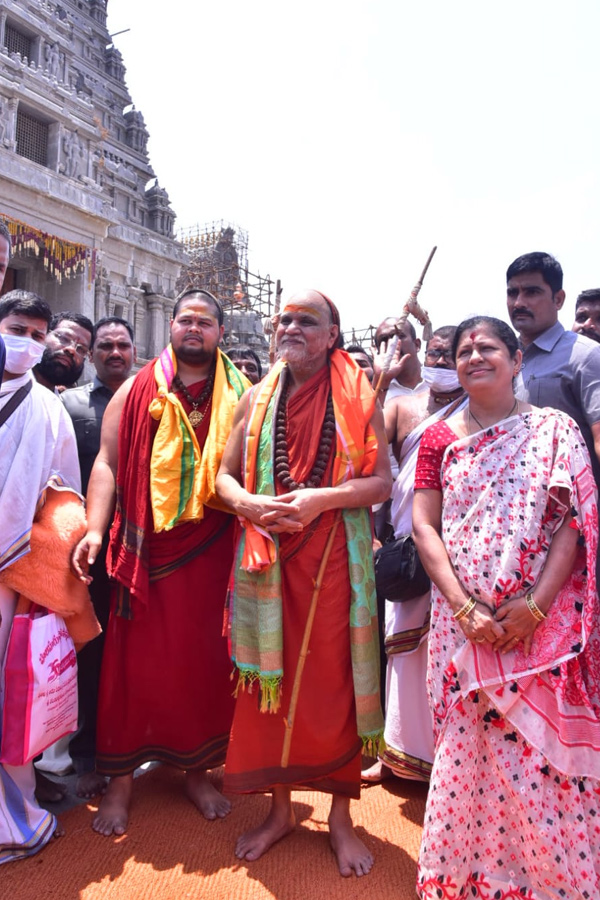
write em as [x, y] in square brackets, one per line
[39, 686]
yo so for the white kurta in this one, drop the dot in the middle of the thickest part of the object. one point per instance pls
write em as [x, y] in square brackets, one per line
[37, 443]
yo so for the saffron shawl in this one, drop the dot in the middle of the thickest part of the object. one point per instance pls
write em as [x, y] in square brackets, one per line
[192, 473]
[255, 606]
[501, 507]
[182, 478]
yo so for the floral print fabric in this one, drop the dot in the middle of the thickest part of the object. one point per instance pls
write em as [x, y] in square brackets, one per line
[514, 805]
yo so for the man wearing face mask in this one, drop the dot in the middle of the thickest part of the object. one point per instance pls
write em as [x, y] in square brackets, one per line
[68, 344]
[37, 442]
[408, 725]
[4, 258]
[66, 348]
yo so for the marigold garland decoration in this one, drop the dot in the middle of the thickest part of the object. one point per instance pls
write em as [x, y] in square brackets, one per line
[62, 259]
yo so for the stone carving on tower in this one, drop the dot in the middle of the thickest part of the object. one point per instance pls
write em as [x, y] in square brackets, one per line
[74, 155]
[53, 60]
[136, 132]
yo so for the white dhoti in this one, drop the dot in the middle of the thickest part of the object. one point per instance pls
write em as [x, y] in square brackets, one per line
[408, 723]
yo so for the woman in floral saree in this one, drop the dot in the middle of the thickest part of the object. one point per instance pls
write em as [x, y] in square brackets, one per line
[506, 523]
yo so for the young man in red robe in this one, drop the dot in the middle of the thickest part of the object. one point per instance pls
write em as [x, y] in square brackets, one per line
[165, 691]
[306, 459]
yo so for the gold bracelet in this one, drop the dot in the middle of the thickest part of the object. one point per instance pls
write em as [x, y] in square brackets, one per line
[465, 610]
[534, 608]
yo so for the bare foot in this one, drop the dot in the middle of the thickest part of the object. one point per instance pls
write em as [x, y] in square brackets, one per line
[204, 795]
[90, 784]
[113, 812]
[351, 853]
[252, 844]
[376, 773]
[48, 791]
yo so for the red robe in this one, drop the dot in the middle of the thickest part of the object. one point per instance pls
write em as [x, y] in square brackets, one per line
[165, 691]
[325, 748]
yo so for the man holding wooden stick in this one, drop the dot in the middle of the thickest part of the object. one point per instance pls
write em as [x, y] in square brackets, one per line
[306, 459]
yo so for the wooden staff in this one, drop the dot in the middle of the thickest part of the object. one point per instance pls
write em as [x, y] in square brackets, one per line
[411, 307]
[289, 722]
[419, 284]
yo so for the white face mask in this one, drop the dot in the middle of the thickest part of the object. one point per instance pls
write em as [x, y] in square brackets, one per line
[22, 353]
[443, 381]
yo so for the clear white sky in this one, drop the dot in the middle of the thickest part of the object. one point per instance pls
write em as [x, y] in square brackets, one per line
[350, 136]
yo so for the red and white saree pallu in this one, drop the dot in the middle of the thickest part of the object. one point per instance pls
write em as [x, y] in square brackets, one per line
[514, 804]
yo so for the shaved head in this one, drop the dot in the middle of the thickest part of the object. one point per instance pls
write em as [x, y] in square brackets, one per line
[389, 327]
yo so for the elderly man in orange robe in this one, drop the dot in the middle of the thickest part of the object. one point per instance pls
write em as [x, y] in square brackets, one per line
[306, 459]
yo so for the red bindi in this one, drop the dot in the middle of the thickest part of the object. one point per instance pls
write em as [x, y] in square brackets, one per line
[473, 335]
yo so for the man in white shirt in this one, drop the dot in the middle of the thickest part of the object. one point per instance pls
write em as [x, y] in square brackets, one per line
[37, 442]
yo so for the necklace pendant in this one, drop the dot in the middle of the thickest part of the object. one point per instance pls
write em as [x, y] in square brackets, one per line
[195, 418]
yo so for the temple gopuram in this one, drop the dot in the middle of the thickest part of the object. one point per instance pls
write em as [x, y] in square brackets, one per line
[92, 228]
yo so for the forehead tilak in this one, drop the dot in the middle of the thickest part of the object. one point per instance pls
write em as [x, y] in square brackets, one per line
[202, 308]
[305, 308]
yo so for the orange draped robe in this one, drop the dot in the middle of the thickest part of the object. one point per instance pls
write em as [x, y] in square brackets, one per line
[165, 689]
[325, 747]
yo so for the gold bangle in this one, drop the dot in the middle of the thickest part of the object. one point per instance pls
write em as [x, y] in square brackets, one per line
[465, 610]
[534, 608]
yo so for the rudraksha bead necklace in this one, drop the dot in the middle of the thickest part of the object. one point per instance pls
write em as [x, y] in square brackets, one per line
[195, 417]
[282, 462]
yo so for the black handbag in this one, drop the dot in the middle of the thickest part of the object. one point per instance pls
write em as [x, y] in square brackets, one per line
[399, 573]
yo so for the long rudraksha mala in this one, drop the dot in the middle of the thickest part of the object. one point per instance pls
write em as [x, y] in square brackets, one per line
[282, 462]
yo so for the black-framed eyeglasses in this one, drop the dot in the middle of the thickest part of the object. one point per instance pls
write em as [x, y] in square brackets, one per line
[438, 354]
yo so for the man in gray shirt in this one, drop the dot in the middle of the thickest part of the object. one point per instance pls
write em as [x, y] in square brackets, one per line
[560, 369]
